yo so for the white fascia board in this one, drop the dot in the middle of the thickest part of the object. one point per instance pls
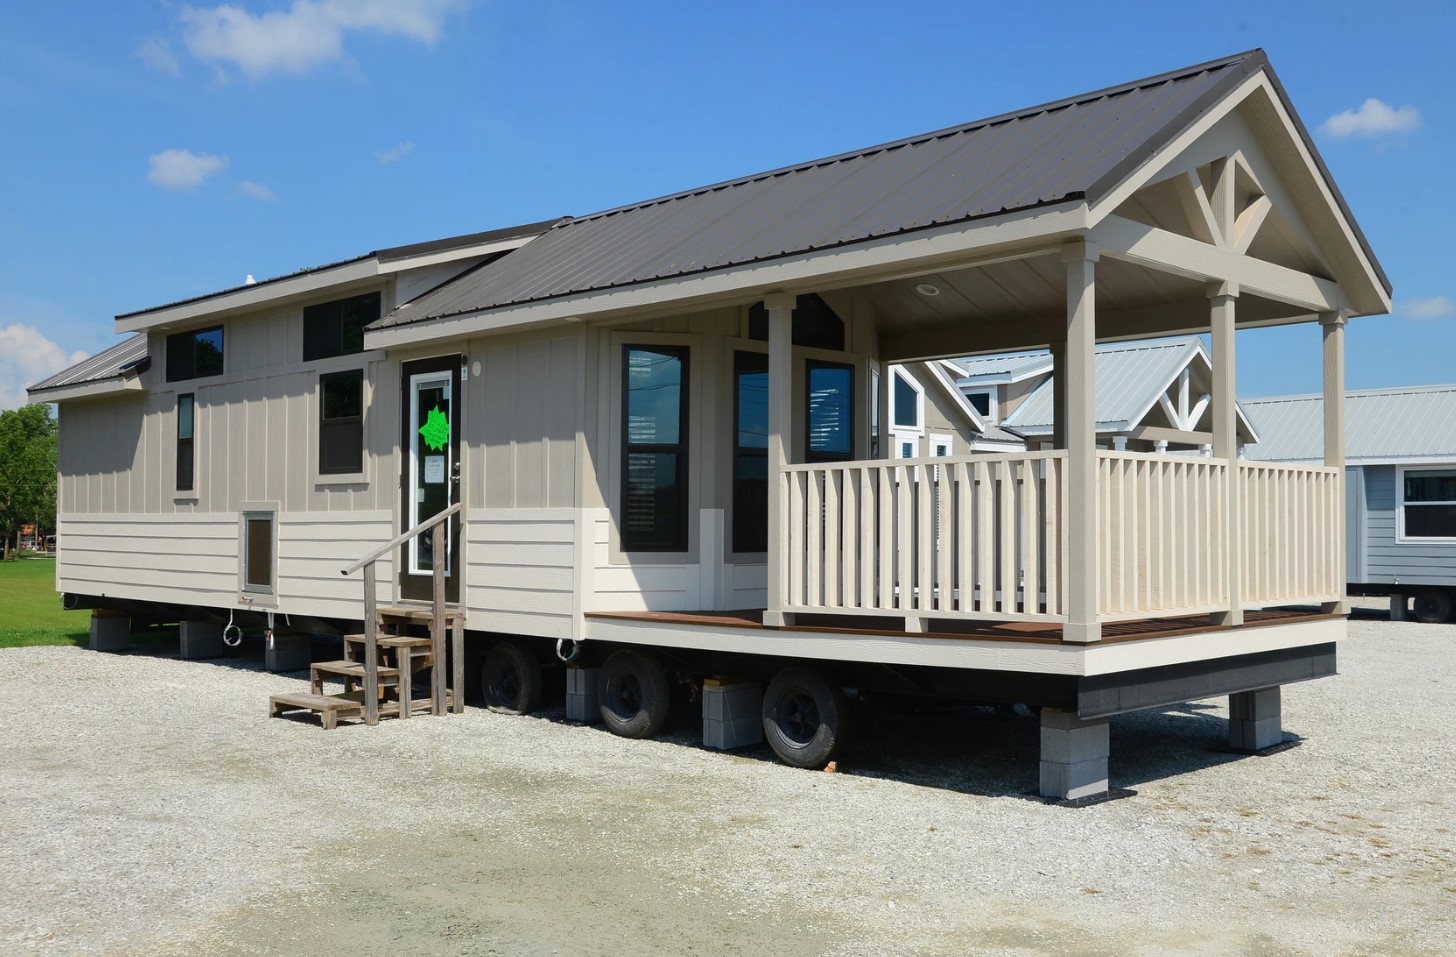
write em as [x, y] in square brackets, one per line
[114, 385]
[902, 256]
[956, 396]
[391, 266]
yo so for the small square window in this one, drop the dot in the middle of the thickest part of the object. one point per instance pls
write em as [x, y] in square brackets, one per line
[192, 355]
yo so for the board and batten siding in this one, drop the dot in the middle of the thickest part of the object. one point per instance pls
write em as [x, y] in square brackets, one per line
[1387, 559]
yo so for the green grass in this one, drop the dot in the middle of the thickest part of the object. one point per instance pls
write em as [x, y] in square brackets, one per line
[30, 608]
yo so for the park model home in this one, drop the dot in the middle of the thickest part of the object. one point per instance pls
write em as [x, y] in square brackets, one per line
[663, 431]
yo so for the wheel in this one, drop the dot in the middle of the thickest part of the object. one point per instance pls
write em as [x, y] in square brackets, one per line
[633, 694]
[1431, 606]
[510, 679]
[803, 718]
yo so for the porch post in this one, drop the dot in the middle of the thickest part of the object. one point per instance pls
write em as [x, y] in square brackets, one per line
[1222, 297]
[1332, 325]
[1080, 433]
[780, 308]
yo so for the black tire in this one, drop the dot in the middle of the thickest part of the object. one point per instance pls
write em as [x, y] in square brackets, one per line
[510, 679]
[633, 693]
[1431, 607]
[803, 718]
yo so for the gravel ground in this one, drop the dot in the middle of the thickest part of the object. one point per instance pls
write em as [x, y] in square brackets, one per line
[148, 806]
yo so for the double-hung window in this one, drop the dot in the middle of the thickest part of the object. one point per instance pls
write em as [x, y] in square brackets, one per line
[655, 448]
[1428, 503]
[333, 329]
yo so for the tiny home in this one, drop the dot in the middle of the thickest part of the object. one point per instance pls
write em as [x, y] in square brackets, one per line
[656, 439]
[1400, 486]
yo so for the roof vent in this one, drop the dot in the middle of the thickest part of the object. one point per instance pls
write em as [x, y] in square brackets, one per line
[250, 281]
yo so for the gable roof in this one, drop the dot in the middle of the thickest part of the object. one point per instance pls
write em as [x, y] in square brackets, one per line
[104, 372]
[1130, 378]
[1382, 426]
[1071, 149]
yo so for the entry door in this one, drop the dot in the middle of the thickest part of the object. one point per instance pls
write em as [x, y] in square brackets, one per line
[430, 482]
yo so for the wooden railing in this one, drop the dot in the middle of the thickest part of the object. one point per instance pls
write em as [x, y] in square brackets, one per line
[1161, 535]
[435, 524]
[1290, 532]
[969, 537]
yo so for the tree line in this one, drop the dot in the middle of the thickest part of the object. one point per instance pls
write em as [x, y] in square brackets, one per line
[27, 473]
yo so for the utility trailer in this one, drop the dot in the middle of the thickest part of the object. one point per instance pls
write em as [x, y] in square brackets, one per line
[650, 443]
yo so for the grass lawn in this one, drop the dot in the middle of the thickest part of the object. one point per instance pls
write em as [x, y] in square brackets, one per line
[30, 608]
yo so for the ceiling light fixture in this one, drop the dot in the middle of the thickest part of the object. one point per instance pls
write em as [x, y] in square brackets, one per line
[926, 289]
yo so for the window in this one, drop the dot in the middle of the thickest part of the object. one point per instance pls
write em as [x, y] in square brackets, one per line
[983, 403]
[1428, 503]
[814, 324]
[654, 456]
[192, 355]
[750, 452]
[258, 548]
[341, 423]
[939, 445]
[905, 399]
[186, 428]
[829, 408]
[907, 448]
[337, 328]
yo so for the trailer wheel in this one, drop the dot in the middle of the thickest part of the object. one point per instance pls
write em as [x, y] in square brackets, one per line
[633, 693]
[1431, 607]
[803, 718]
[510, 679]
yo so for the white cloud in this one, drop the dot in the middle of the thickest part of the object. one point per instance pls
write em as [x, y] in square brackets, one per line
[1437, 307]
[395, 153]
[157, 53]
[258, 191]
[307, 34]
[27, 357]
[183, 169]
[1373, 118]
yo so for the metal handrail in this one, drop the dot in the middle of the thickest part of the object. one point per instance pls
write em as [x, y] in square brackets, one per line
[401, 538]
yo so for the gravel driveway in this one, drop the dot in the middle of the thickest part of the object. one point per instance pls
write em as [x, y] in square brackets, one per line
[148, 806]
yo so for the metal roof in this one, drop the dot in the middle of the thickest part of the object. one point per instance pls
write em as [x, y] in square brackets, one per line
[107, 364]
[1381, 425]
[994, 370]
[1067, 150]
[383, 255]
[1130, 377]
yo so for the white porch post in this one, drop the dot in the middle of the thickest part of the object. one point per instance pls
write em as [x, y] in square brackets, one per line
[1080, 432]
[1222, 297]
[780, 308]
[1332, 325]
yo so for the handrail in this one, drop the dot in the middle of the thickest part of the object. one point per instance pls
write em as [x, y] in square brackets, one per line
[401, 538]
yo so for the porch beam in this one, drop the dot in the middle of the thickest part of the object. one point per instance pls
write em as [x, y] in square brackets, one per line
[1167, 251]
[1222, 299]
[1332, 326]
[1080, 431]
[1156, 433]
[780, 307]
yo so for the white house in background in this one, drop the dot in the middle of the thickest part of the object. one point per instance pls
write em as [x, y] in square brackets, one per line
[648, 433]
[1400, 486]
[1152, 396]
[929, 416]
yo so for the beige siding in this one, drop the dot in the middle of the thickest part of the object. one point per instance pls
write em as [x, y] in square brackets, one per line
[520, 567]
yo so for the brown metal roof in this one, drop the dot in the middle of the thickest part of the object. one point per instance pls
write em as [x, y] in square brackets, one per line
[1067, 150]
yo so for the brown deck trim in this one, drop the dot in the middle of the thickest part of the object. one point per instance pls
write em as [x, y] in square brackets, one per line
[1022, 632]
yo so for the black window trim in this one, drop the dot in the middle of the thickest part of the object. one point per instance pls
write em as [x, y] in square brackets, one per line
[340, 302]
[738, 451]
[193, 373]
[684, 353]
[358, 469]
[189, 443]
[820, 457]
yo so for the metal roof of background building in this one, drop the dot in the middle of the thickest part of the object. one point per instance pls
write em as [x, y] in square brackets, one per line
[107, 364]
[1412, 424]
[1130, 377]
[1066, 150]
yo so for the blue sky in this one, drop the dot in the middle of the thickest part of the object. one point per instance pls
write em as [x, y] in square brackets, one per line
[156, 150]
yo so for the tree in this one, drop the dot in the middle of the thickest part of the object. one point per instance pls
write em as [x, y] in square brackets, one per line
[27, 471]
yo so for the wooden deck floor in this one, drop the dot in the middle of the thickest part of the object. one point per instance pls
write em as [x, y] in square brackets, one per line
[1033, 632]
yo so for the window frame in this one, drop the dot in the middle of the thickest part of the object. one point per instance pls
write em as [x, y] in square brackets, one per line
[339, 302]
[811, 363]
[682, 448]
[1401, 504]
[919, 427]
[188, 442]
[342, 475]
[167, 350]
[990, 415]
[737, 451]
[251, 591]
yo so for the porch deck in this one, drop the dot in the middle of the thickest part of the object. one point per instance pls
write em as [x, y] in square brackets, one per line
[1045, 633]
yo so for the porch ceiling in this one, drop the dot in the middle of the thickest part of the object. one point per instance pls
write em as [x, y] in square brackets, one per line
[1021, 304]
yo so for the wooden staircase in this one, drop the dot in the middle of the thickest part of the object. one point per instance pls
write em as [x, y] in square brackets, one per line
[399, 642]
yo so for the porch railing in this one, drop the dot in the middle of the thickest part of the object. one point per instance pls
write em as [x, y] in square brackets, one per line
[982, 537]
[1292, 546]
[969, 537]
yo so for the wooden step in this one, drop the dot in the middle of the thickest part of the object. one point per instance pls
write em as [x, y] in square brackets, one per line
[350, 669]
[418, 613]
[329, 707]
[391, 641]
